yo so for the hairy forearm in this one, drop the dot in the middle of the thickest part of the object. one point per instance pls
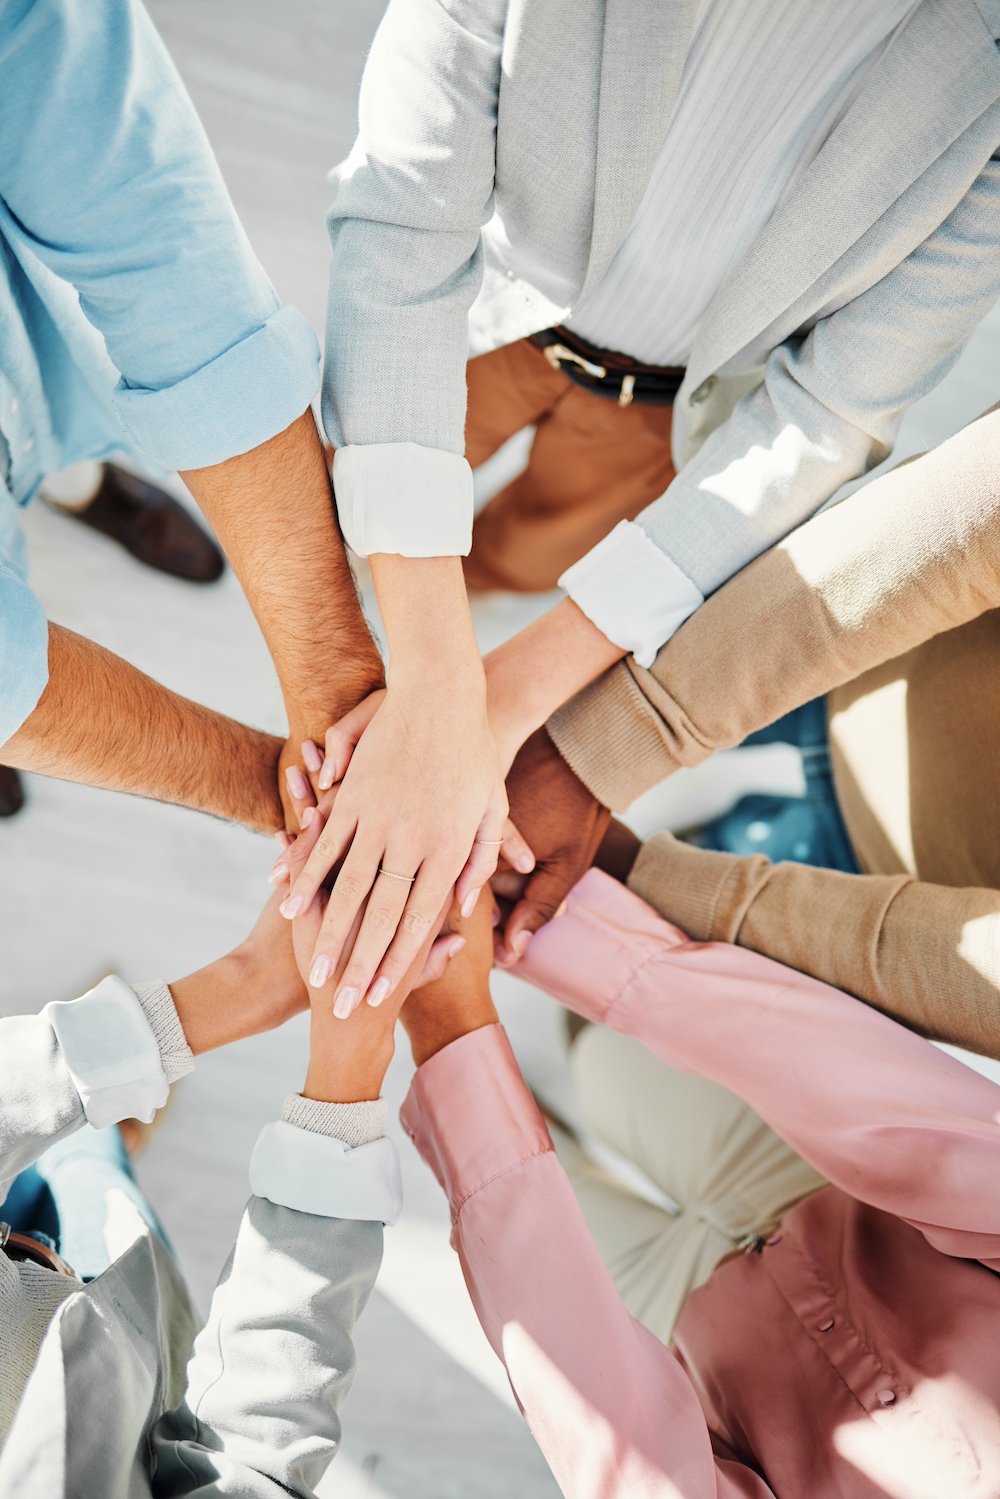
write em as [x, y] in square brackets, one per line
[104, 723]
[272, 509]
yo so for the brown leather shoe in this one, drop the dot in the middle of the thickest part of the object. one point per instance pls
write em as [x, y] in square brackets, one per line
[11, 792]
[151, 525]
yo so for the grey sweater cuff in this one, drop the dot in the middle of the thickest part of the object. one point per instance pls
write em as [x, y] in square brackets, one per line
[158, 1007]
[353, 1123]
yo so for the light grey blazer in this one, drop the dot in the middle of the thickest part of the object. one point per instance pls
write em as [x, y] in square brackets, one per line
[504, 148]
[110, 1411]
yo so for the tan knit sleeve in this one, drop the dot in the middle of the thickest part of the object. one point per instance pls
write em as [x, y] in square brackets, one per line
[913, 554]
[926, 954]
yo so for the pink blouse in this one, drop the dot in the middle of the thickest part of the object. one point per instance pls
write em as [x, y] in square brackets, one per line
[857, 1356]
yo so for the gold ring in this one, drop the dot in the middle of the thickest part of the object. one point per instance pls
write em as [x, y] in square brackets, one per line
[409, 878]
[490, 842]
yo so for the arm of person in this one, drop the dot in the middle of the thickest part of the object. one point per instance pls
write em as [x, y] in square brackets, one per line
[876, 1109]
[216, 377]
[102, 722]
[928, 955]
[113, 1053]
[609, 1405]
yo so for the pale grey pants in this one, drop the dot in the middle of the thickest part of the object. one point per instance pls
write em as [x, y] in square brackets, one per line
[727, 1173]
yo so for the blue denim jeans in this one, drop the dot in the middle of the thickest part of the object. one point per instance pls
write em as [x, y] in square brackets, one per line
[62, 1198]
[798, 829]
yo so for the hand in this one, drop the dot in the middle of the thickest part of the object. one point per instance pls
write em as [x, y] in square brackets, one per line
[564, 824]
[295, 786]
[347, 1063]
[410, 805]
[255, 988]
[456, 999]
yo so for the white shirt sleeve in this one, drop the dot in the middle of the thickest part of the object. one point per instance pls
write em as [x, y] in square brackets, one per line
[317, 1173]
[632, 591]
[111, 1053]
[402, 498]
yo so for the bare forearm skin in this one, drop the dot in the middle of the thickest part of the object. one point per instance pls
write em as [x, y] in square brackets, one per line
[273, 512]
[104, 723]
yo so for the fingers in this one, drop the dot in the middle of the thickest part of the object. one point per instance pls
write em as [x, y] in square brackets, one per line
[327, 851]
[424, 909]
[515, 850]
[443, 949]
[482, 861]
[304, 806]
[544, 894]
[351, 888]
[342, 740]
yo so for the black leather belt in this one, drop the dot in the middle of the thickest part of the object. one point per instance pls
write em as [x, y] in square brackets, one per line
[615, 376]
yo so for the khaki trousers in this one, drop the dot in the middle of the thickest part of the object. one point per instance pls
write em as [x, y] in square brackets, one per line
[592, 464]
[728, 1173]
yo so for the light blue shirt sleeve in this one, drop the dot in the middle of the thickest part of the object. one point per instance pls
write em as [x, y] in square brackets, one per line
[24, 652]
[110, 181]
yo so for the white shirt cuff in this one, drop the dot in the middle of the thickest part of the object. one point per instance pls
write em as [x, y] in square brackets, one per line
[632, 591]
[311, 1173]
[111, 1052]
[400, 497]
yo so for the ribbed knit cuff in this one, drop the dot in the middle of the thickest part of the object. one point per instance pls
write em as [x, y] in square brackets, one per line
[157, 1003]
[614, 741]
[703, 891]
[353, 1123]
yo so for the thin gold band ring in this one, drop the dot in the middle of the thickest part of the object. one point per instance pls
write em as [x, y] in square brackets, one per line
[490, 842]
[409, 878]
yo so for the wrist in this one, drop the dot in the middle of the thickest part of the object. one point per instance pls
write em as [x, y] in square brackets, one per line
[263, 812]
[346, 1068]
[434, 1022]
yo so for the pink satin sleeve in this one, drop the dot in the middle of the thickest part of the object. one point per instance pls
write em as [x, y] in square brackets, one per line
[879, 1111]
[610, 1406]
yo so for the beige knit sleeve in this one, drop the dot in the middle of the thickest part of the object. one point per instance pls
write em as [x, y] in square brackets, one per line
[926, 954]
[913, 554]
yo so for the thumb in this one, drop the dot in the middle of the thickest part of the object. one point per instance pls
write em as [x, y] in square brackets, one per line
[343, 737]
[541, 900]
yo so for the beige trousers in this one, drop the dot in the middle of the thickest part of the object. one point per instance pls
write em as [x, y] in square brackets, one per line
[729, 1176]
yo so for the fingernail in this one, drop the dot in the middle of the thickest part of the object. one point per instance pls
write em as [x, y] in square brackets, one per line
[456, 947]
[291, 906]
[469, 903]
[524, 863]
[320, 971]
[519, 943]
[345, 1003]
[297, 783]
[326, 775]
[307, 817]
[495, 918]
[560, 910]
[279, 874]
[311, 755]
[283, 840]
[380, 991]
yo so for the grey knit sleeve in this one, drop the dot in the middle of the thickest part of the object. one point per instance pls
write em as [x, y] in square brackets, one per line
[158, 1007]
[354, 1123]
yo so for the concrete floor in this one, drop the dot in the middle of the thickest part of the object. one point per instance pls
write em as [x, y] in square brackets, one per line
[91, 881]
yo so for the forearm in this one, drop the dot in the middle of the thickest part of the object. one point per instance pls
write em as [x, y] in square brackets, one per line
[104, 723]
[273, 511]
[926, 954]
[539, 669]
[911, 555]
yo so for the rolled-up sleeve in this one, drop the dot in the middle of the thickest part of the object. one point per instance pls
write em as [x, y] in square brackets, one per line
[24, 652]
[111, 184]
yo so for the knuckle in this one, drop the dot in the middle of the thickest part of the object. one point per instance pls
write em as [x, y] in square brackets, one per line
[381, 917]
[415, 923]
[349, 887]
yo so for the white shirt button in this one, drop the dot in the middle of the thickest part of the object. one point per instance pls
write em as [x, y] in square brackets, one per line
[826, 1326]
[703, 391]
[885, 1397]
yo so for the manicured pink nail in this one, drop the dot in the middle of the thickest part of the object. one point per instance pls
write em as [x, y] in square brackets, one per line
[346, 1003]
[291, 906]
[495, 918]
[311, 755]
[380, 990]
[326, 775]
[519, 943]
[279, 874]
[297, 783]
[307, 816]
[469, 903]
[283, 840]
[524, 863]
[320, 971]
[457, 943]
